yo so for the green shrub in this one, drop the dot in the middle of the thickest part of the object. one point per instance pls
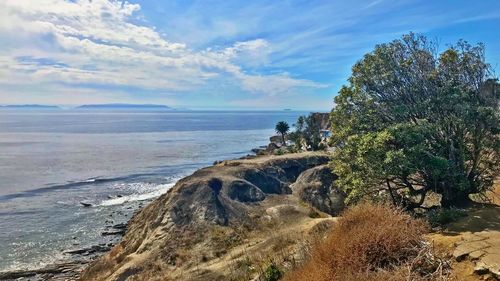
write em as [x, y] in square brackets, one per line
[440, 217]
[273, 273]
[279, 152]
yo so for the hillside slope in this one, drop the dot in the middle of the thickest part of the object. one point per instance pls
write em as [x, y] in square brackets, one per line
[223, 221]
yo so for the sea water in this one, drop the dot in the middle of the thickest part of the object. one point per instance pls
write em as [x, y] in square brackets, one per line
[53, 161]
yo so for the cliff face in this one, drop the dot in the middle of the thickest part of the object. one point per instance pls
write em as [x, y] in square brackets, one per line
[207, 215]
[323, 119]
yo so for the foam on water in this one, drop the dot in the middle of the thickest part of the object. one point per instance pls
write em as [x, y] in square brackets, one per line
[157, 191]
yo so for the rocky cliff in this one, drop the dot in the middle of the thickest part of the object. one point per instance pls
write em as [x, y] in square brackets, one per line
[194, 231]
[322, 119]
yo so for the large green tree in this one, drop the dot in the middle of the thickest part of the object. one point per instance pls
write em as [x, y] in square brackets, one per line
[282, 128]
[411, 121]
[307, 131]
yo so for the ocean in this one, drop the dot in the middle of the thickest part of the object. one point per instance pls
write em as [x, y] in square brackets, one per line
[53, 161]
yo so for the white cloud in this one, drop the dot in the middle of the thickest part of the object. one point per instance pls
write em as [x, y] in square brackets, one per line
[276, 84]
[99, 42]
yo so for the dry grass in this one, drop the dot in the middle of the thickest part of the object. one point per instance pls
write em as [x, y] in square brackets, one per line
[372, 242]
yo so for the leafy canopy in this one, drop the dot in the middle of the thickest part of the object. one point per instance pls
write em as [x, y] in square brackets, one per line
[282, 127]
[412, 121]
[307, 132]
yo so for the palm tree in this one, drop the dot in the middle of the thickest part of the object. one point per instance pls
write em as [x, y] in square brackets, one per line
[282, 128]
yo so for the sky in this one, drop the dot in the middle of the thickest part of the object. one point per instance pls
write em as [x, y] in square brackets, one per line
[214, 54]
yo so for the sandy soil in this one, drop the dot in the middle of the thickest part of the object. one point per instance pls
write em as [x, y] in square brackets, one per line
[474, 241]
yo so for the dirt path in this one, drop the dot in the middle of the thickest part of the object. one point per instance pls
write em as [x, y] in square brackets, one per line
[475, 241]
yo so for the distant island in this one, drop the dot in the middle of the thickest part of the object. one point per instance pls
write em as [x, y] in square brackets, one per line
[28, 106]
[107, 106]
[125, 106]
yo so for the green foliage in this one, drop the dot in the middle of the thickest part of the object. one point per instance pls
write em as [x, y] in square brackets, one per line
[296, 138]
[440, 217]
[307, 132]
[279, 152]
[293, 149]
[411, 121]
[282, 128]
[273, 273]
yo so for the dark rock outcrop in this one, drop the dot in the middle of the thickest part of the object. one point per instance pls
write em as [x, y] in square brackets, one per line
[265, 181]
[278, 139]
[271, 147]
[64, 271]
[316, 187]
[244, 191]
[322, 119]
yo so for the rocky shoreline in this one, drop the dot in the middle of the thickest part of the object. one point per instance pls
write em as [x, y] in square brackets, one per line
[64, 271]
[80, 259]
[221, 195]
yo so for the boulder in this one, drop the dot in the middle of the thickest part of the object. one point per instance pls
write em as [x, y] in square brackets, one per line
[316, 187]
[277, 139]
[244, 191]
[272, 147]
[85, 204]
[267, 183]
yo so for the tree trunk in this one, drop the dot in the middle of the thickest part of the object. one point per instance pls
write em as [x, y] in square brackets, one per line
[283, 139]
[455, 198]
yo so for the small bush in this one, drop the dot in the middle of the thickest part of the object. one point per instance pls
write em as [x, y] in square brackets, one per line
[440, 217]
[279, 152]
[370, 242]
[273, 273]
[313, 214]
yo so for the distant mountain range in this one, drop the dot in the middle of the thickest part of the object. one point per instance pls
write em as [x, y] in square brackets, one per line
[29, 106]
[108, 106]
[125, 106]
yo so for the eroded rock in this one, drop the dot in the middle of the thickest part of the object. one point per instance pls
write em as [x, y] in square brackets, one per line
[316, 187]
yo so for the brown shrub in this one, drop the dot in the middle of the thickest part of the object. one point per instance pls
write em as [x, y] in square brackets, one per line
[370, 242]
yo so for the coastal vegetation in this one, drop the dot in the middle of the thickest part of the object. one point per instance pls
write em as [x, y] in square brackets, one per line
[310, 134]
[307, 134]
[282, 128]
[373, 242]
[412, 121]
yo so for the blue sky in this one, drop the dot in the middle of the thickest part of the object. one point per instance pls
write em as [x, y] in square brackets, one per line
[213, 54]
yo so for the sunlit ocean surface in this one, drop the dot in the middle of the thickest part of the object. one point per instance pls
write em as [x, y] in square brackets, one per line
[50, 161]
